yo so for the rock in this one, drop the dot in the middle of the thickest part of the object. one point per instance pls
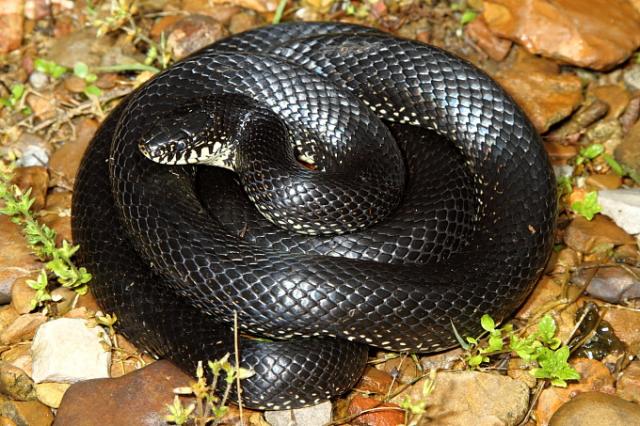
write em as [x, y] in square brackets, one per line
[23, 328]
[472, 398]
[82, 356]
[377, 381]
[623, 206]
[19, 356]
[592, 408]
[22, 294]
[36, 178]
[15, 383]
[26, 413]
[42, 105]
[139, 398]
[7, 316]
[243, 21]
[628, 152]
[495, 47]
[631, 77]
[79, 46]
[65, 298]
[16, 259]
[545, 95]
[576, 32]
[614, 95]
[381, 417]
[51, 394]
[628, 384]
[563, 170]
[260, 6]
[6, 421]
[614, 285]
[38, 80]
[608, 181]
[11, 22]
[315, 415]
[401, 367]
[594, 377]
[559, 151]
[32, 150]
[57, 215]
[583, 235]
[192, 33]
[66, 160]
[625, 324]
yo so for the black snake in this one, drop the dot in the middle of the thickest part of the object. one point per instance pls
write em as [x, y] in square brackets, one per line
[176, 250]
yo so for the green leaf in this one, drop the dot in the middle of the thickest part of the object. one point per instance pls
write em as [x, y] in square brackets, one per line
[475, 360]
[487, 323]
[92, 90]
[615, 166]
[592, 151]
[588, 207]
[80, 69]
[468, 16]
[17, 90]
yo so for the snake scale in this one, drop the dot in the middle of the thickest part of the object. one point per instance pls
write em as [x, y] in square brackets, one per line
[177, 250]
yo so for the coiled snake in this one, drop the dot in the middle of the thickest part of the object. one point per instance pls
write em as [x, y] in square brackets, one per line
[464, 228]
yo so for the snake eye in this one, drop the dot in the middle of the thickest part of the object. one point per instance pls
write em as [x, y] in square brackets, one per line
[180, 146]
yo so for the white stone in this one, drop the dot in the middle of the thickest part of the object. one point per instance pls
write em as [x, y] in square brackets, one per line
[66, 350]
[623, 206]
[315, 415]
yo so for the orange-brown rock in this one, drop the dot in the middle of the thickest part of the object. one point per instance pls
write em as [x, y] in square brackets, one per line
[391, 416]
[594, 376]
[606, 181]
[138, 398]
[583, 235]
[22, 294]
[545, 95]
[628, 152]
[596, 409]
[16, 259]
[36, 178]
[26, 413]
[193, 32]
[495, 47]
[559, 151]
[11, 22]
[628, 384]
[23, 328]
[614, 95]
[257, 5]
[66, 160]
[57, 215]
[625, 324]
[402, 367]
[588, 33]
[377, 381]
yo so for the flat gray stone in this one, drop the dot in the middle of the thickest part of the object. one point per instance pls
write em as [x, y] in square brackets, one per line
[623, 206]
[315, 415]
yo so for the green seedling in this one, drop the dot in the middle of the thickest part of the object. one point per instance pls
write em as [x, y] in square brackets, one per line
[14, 100]
[588, 207]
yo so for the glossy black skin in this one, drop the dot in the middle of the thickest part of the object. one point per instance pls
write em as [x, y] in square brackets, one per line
[471, 235]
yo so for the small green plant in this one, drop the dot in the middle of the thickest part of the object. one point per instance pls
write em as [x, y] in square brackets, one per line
[14, 100]
[49, 68]
[588, 207]
[542, 348]
[415, 410]
[41, 240]
[120, 13]
[594, 151]
[81, 70]
[208, 409]
[468, 14]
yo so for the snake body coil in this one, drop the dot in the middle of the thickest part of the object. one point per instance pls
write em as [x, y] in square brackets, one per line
[176, 251]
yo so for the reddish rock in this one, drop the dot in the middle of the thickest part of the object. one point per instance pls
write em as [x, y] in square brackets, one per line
[57, 215]
[614, 95]
[588, 33]
[594, 377]
[23, 328]
[625, 324]
[583, 235]
[36, 178]
[11, 22]
[374, 380]
[497, 48]
[596, 409]
[66, 160]
[391, 417]
[628, 384]
[138, 398]
[193, 32]
[608, 181]
[545, 95]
